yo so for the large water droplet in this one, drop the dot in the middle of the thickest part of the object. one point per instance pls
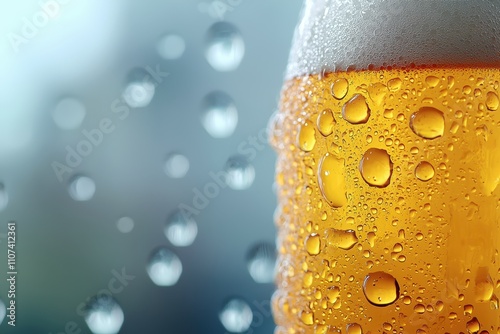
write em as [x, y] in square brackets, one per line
[236, 316]
[326, 122]
[473, 326]
[125, 224]
[180, 229]
[176, 165]
[220, 115]
[331, 180]
[81, 188]
[3, 311]
[4, 197]
[306, 136]
[380, 288]
[103, 315]
[225, 47]
[424, 171]
[492, 101]
[340, 88]
[427, 122]
[164, 267]
[261, 262]
[171, 46]
[344, 239]
[313, 244]
[240, 174]
[484, 285]
[356, 110]
[69, 113]
[139, 89]
[354, 328]
[376, 167]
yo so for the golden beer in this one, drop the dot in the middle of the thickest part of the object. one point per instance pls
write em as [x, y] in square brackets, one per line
[389, 205]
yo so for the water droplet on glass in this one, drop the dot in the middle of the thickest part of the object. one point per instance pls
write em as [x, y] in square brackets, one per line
[4, 197]
[326, 122]
[164, 267]
[473, 326]
[344, 239]
[307, 136]
[103, 315]
[240, 173]
[424, 171]
[225, 47]
[394, 84]
[125, 224]
[69, 113]
[180, 230]
[332, 181]
[176, 165]
[81, 188]
[261, 262]
[356, 111]
[313, 244]
[171, 46]
[307, 318]
[376, 167]
[427, 123]
[468, 309]
[380, 288]
[220, 116]
[139, 89]
[484, 285]
[340, 88]
[354, 328]
[492, 101]
[236, 316]
[432, 81]
[3, 311]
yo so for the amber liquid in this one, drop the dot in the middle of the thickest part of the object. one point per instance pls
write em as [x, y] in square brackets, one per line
[389, 205]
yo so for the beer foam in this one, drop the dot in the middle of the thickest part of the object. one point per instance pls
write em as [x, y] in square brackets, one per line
[336, 35]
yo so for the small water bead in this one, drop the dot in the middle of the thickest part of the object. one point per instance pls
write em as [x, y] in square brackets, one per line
[492, 101]
[219, 115]
[376, 167]
[354, 328]
[306, 136]
[473, 326]
[69, 113]
[427, 122]
[261, 262]
[176, 165]
[171, 46]
[424, 171]
[326, 121]
[381, 288]
[313, 244]
[432, 81]
[81, 188]
[164, 267]
[419, 308]
[4, 197]
[339, 88]
[356, 110]
[236, 315]
[331, 180]
[407, 300]
[125, 224]
[344, 239]
[180, 230]
[240, 174]
[139, 89]
[103, 315]
[225, 47]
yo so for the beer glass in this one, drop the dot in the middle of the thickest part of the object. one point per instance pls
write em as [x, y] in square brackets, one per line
[388, 142]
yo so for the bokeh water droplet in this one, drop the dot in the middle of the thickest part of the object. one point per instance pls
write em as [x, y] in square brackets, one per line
[220, 116]
[139, 89]
[225, 47]
[376, 167]
[103, 315]
[380, 288]
[68, 114]
[171, 46]
[261, 262]
[125, 224]
[81, 188]
[236, 316]
[176, 165]
[240, 174]
[427, 122]
[331, 180]
[356, 110]
[164, 267]
[4, 197]
[3, 311]
[180, 229]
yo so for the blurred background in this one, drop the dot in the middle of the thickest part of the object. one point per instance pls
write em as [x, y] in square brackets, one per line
[134, 161]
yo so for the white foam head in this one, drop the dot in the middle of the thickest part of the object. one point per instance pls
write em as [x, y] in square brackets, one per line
[334, 35]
